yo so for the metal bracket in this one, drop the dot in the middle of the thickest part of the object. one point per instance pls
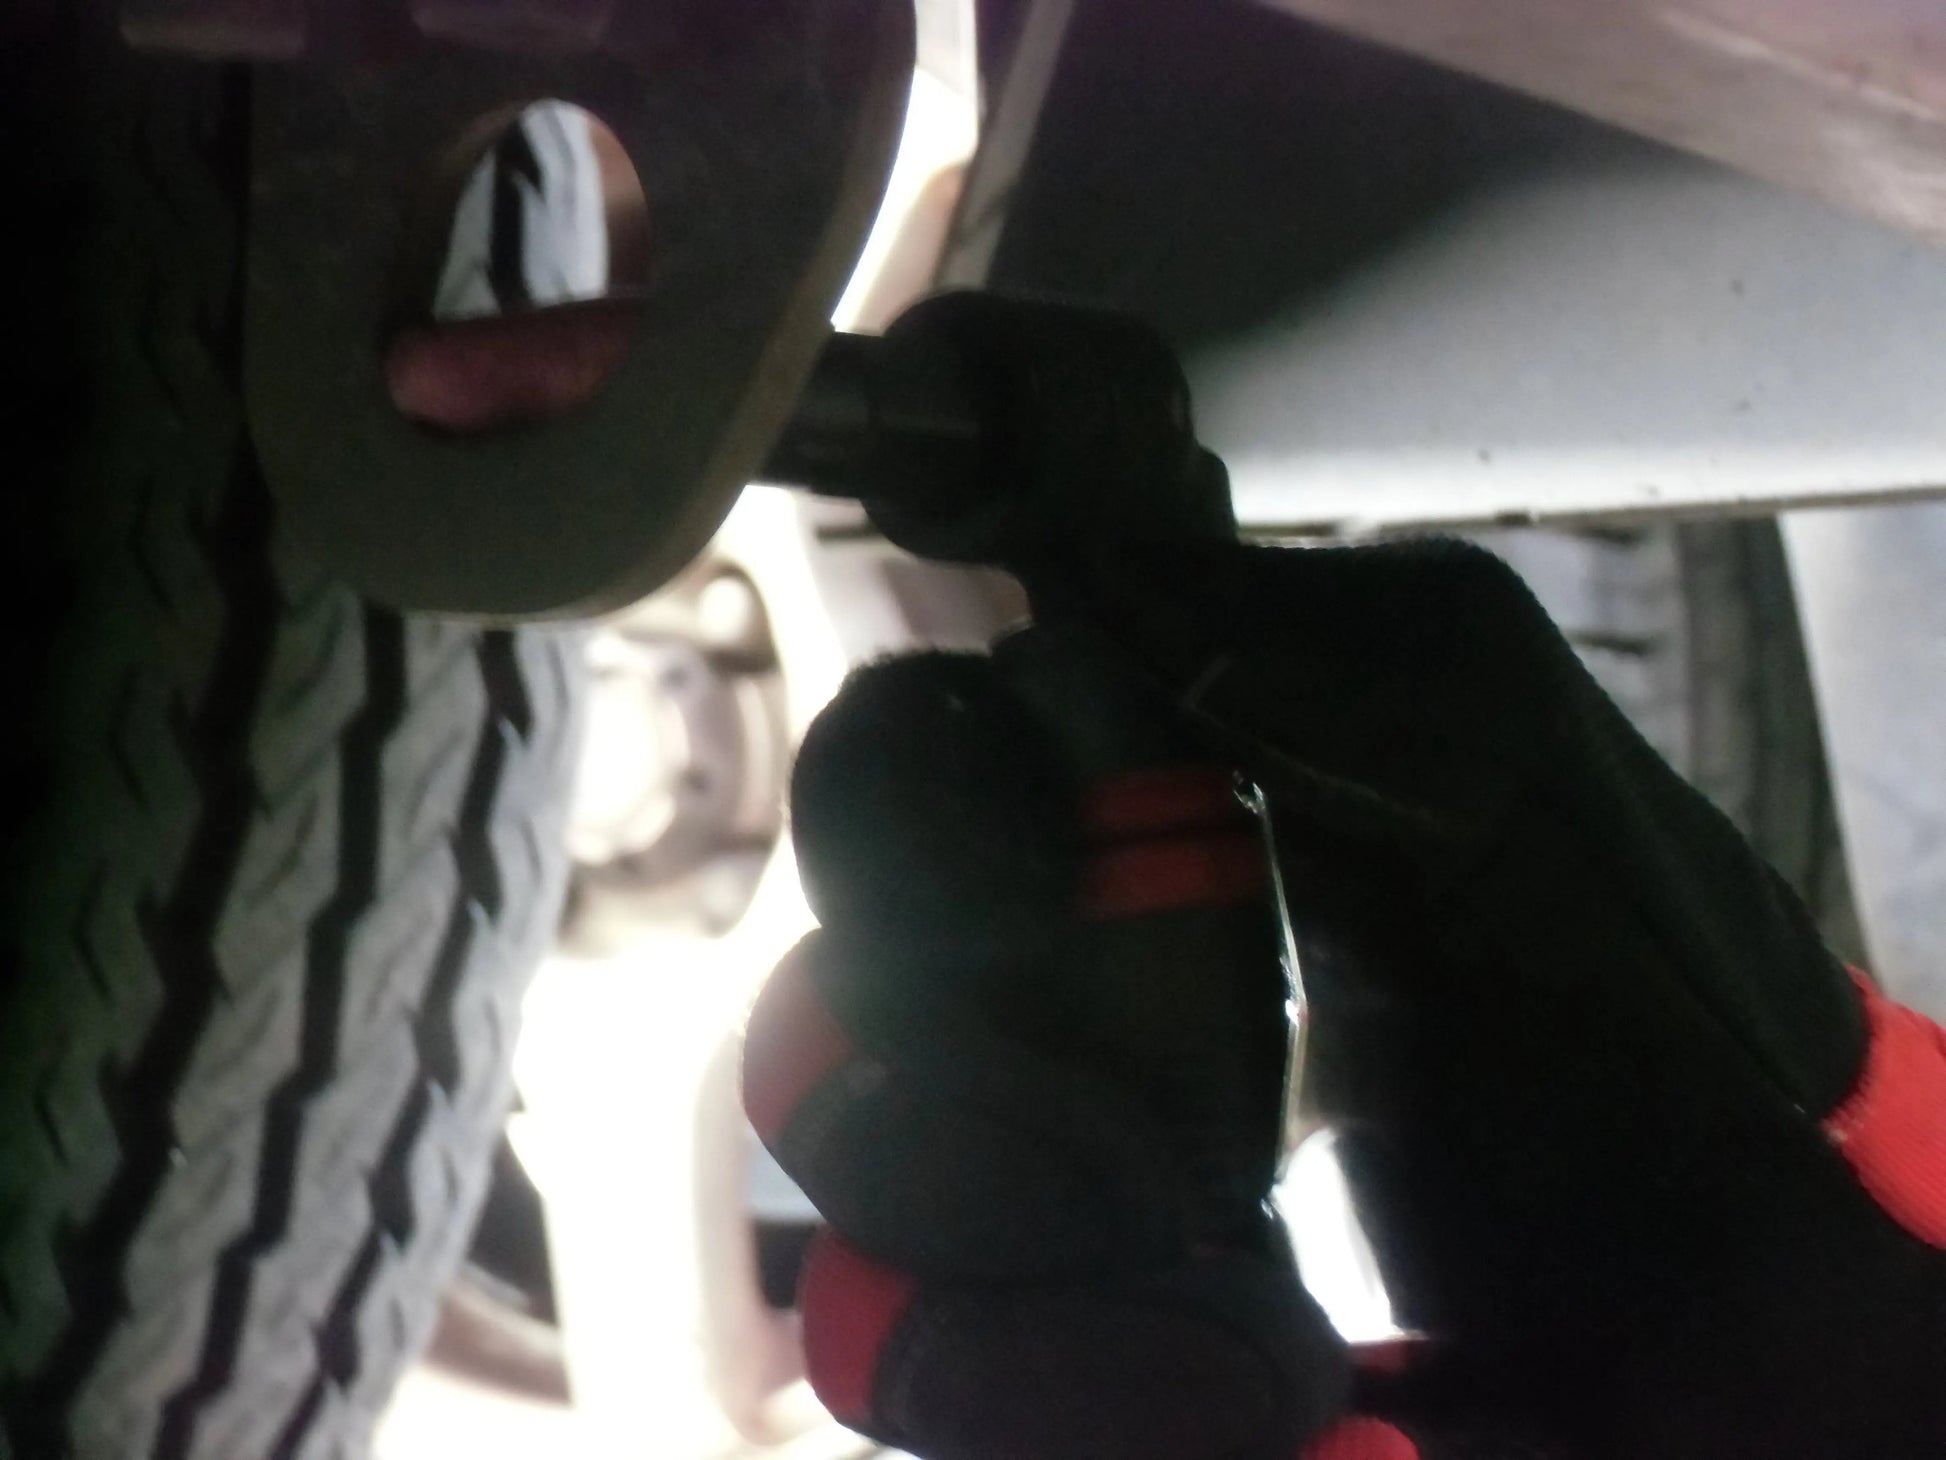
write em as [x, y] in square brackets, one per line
[762, 134]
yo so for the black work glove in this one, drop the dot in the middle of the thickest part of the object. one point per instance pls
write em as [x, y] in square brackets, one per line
[1655, 1174]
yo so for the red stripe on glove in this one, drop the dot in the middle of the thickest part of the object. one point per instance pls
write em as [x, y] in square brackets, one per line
[1360, 1438]
[791, 1045]
[1155, 877]
[1892, 1128]
[851, 1307]
[1162, 799]
[1168, 838]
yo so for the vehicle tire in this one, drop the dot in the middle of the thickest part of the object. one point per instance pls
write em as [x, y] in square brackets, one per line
[278, 861]
[1693, 629]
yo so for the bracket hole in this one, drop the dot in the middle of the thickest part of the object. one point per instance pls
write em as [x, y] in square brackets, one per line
[522, 293]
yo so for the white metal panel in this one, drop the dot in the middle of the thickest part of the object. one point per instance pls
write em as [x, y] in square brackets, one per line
[1628, 332]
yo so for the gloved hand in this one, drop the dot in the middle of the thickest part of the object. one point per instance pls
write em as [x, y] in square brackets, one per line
[1656, 1175]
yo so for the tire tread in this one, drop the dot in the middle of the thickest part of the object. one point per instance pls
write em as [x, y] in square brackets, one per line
[241, 1132]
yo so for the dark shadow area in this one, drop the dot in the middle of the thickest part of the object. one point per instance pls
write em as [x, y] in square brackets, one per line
[1151, 186]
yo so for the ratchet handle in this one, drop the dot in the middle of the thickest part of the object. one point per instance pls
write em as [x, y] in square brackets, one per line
[1175, 967]
[1178, 966]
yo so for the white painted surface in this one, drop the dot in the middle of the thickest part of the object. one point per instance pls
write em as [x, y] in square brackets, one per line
[1624, 330]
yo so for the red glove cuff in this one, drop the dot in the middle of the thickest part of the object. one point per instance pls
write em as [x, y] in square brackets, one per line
[1892, 1128]
[852, 1307]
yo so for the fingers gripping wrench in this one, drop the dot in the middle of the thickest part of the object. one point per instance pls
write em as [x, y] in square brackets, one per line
[1058, 444]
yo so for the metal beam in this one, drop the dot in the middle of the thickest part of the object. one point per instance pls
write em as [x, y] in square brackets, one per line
[1621, 333]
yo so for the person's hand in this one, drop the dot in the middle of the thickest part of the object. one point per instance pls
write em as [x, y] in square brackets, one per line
[1048, 1161]
[1654, 1174]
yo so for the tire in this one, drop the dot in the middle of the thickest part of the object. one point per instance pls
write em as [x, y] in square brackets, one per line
[1693, 630]
[278, 861]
